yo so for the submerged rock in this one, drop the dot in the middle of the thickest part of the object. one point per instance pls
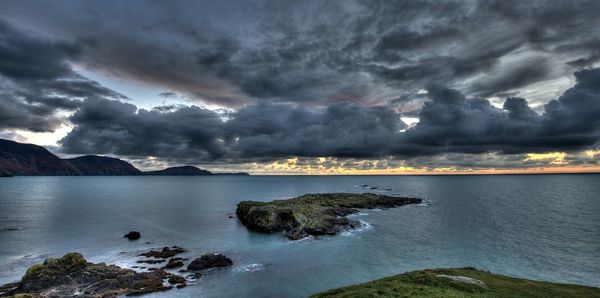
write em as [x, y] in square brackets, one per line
[210, 260]
[174, 263]
[150, 261]
[72, 275]
[133, 235]
[176, 279]
[164, 253]
[312, 214]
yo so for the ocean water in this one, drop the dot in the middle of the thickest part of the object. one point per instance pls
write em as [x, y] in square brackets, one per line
[543, 227]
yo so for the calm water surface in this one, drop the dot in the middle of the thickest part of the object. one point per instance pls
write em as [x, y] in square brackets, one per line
[539, 227]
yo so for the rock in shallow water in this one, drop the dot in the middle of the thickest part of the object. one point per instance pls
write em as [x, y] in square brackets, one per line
[174, 263]
[133, 235]
[164, 253]
[208, 261]
[312, 214]
[72, 275]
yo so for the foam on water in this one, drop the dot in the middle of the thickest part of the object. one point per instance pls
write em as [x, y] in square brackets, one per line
[364, 226]
[358, 214]
[250, 267]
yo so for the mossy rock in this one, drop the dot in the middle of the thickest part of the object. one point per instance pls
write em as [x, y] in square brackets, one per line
[312, 214]
[65, 276]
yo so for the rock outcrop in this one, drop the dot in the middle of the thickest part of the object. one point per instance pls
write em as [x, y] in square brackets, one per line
[210, 260]
[133, 235]
[72, 275]
[166, 252]
[312, 214]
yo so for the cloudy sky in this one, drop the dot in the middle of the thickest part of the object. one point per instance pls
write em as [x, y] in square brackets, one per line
[307, 87]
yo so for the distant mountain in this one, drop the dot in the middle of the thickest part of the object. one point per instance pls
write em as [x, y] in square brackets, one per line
[5, 174]
[93, 165]
[27, 159]
[237, 173]
[180, 171]
[20, 159]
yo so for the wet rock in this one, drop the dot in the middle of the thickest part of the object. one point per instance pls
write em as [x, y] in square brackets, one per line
[176, 279]
[71, 274]
[150, 261]
[181, 286]
[210, 260]
[174, 263]
[164, 253]
[133, 235]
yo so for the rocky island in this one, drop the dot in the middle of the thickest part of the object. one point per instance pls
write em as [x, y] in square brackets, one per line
[459, 282]
[72, 275]
[312, 214]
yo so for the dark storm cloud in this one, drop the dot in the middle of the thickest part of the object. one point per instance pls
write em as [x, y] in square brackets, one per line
[313, 52]
[521, 74]
[343, 130]
[113, 127]
[449, 123]
[24, 57]
[37, 81]
[452, 123]
[264, 131]
[302, 78]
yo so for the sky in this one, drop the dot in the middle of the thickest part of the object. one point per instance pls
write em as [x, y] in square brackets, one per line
[307, 87]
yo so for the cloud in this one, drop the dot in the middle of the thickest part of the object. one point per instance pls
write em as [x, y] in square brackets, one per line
[450, 122]
[264, 131]
[37, 81]
[316, 52]
[113, 127]
[342, 129]
[307, 79]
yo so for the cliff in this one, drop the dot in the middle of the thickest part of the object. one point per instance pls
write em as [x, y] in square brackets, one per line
[18, 159]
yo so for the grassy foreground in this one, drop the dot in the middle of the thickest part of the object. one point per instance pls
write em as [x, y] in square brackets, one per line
[428, 283]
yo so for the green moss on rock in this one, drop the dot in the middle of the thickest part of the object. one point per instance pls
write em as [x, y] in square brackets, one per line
[72, 274]
[312, 214]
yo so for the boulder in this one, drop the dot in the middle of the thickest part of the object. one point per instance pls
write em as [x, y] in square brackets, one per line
[133, 235]
[174, 263]
[211, 260]
[176, 279]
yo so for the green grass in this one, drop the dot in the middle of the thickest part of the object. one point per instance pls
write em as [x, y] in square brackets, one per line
[425, 283]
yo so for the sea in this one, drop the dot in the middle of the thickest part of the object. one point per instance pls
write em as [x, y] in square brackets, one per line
[541, 227]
